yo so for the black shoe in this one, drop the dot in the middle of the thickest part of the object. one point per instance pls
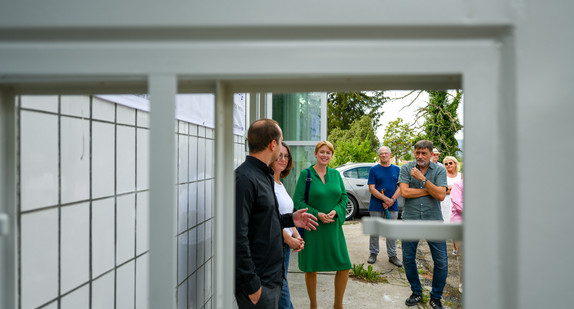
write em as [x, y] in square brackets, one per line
[435, 303]
[395, 261]
[372, 258]
[414, 299]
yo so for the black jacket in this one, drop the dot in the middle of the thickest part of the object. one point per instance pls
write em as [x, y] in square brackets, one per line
[258, 228]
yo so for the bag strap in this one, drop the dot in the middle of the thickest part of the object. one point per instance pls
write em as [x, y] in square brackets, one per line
[307, 185]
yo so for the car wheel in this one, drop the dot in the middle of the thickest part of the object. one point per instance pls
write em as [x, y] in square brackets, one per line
[352, 208]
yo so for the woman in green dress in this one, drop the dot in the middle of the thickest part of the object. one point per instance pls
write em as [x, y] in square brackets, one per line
[325, 247]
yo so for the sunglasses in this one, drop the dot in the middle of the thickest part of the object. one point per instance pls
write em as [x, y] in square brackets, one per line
[449, 163]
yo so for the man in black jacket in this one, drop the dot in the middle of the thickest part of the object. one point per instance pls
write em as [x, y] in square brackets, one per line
[258, 236]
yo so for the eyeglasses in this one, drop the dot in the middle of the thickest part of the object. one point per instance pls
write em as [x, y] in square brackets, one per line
[448, 163]
[282, 156]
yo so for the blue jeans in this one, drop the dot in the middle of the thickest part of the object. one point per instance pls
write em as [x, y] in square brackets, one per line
[440, 270]
[285, 300]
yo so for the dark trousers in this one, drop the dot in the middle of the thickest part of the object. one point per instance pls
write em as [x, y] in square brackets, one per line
[269, 299]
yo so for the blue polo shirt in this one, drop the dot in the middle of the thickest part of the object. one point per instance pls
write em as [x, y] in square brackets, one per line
[383, 178]
[424, 207]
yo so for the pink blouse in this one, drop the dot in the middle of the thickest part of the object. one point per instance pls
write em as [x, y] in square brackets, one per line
[456, 198]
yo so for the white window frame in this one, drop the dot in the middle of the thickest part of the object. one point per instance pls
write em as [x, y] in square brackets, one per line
[482, 66]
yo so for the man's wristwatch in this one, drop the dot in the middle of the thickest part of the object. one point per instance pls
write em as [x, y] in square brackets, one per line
[425, 182]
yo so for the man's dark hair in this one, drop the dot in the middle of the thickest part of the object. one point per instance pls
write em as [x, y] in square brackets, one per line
[261, 133]
[424, 144]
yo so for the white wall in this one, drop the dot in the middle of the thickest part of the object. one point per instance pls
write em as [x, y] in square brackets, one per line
[84, 205]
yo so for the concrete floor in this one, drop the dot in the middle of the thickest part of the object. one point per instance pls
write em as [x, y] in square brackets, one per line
[391, 294]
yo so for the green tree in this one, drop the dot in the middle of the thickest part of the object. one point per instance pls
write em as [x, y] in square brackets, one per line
[346, 107]
[357, 144]
[399, 137]
[441, 121]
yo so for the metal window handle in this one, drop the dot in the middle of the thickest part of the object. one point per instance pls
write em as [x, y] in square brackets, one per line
[412, 230]
[4, 225]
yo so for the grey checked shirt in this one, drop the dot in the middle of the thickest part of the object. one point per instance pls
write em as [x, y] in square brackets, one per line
[424, 207]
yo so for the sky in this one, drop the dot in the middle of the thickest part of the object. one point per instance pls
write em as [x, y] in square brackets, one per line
[394, 109]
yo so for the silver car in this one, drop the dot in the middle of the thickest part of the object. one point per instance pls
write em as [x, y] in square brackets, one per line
[355, 177]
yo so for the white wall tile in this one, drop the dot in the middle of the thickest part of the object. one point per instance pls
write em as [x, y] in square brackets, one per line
[103, 169]
[209, 187]
[142, 119]
[200, 244]
[208, 274]
[208, 239]
[193, 155]
[77, 299]
[142, 282]
[142, 159]
[201, 131]
[182, 248]
[142, 223]
[126, 228]
[53, 305]
[39, 258]
[192, 204]
[183, 158]
[103, 239]
[209, 158]
[201, 153]
[200, 201]
[182, 207]
[192, 292]
[200, 274]
[126, 165]
[39, 160]
[125, 288]
[75, 159]
[103, 292]
[183, 127]
[182, 296]
[209, 133]
[75, 105]
[103, 110]
[126, 115]
[75, 246]
[47, 103]
[193, 129]
[192, 250]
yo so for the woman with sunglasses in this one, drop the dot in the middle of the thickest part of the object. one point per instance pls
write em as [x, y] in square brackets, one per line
[452, 176]
[291, 238]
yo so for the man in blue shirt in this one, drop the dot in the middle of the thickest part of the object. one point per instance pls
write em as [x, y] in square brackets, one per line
[423, 185]
[384, 193]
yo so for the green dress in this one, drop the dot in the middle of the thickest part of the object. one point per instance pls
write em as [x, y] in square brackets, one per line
[325, 247]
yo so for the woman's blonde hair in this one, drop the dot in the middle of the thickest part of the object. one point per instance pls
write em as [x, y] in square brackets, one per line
[325, 143]
[451, 158]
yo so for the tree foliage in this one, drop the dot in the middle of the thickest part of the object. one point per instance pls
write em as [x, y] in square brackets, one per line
[399, 136]
[346, 107]
[441, 121]
[359, 143]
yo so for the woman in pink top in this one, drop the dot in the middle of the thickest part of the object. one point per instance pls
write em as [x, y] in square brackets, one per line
[455, 217]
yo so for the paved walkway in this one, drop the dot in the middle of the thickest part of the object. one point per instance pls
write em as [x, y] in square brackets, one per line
[368, 295]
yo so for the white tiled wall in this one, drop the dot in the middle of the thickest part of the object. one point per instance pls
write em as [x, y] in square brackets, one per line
[195, 181]
[84, 205]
